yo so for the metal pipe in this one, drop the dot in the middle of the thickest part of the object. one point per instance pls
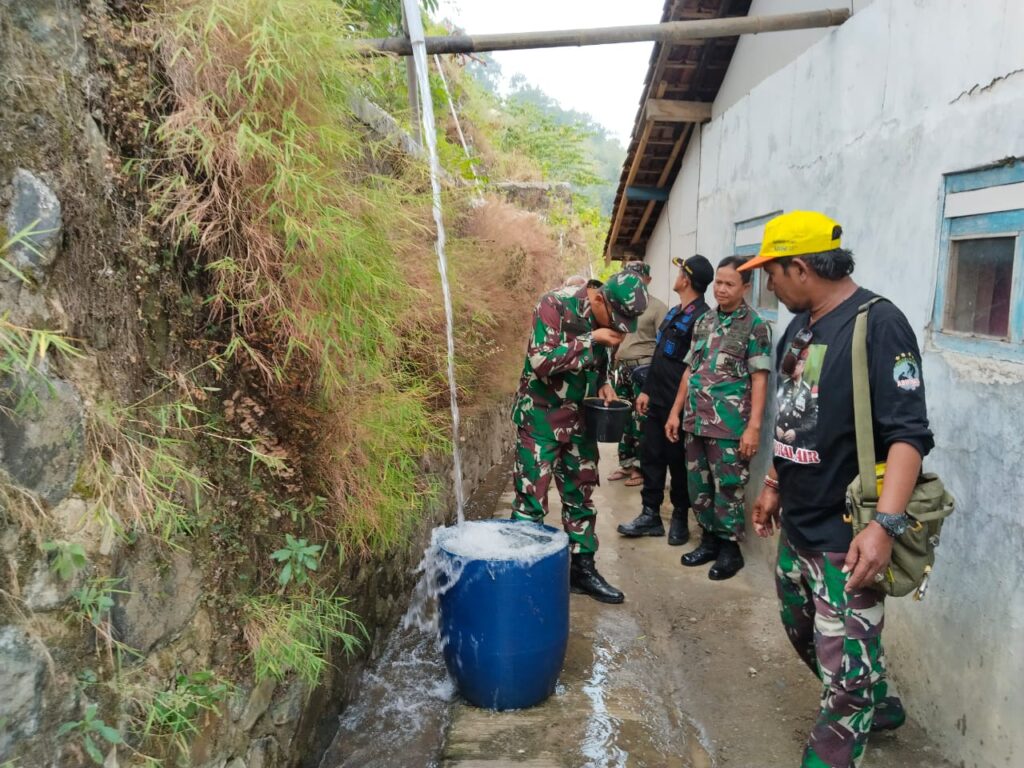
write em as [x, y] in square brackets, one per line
[667, 32]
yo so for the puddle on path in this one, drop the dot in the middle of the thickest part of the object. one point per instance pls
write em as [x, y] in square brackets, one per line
[616, 705]
[599, 745]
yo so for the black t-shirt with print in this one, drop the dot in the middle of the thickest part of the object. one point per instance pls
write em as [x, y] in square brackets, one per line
[674, 337]
[815, 443]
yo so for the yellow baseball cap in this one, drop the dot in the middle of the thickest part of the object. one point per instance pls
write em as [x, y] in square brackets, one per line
[794, 234]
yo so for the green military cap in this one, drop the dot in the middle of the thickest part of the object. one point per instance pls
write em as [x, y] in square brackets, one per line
[626, 295]
[639, 267]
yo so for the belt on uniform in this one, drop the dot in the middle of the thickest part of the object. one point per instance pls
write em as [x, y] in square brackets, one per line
[636, 363]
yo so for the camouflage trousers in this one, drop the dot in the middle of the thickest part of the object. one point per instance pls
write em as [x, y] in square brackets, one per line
[838, 635]
[717, 478]
[573, 465]
[628, 389]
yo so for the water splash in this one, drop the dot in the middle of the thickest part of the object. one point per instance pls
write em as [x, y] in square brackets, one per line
[437, 574]
[419, 52]
[403, 709]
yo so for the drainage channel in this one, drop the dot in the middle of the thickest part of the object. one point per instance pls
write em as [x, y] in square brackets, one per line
[402, 711]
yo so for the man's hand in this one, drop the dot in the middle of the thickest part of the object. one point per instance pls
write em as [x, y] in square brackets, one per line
[607, 337]
[642, 403]
[607, 393]
[749, 441]
[869, 555]
[766, 517]
[672, 427]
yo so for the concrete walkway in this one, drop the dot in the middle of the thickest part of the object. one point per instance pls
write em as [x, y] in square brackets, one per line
[687, 673]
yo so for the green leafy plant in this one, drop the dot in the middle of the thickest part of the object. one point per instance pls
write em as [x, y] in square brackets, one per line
[295, 634]
[86, 679]
[22, 349]
[175, 712]
[94, 600]
[92, 731]
[140, 470]
[299, 557]
[66, 558]
[23, 237]
[271, 185]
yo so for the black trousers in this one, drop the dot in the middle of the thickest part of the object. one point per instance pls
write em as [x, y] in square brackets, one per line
[658, 456]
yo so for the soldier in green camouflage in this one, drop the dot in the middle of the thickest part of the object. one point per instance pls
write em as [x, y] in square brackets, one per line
[721, 398]
[566, 361]
[632, 360]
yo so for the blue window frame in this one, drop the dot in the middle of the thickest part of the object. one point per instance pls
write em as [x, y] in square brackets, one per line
[979, 296]
[747, 242]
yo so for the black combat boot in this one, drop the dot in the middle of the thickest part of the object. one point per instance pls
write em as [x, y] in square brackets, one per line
[889, 714]
[728, 562]
[679, 528]
[647, 523]
[585, 580]
[706, 551]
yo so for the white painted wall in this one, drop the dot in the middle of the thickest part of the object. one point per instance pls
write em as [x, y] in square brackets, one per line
[758, 56]
[862, 126]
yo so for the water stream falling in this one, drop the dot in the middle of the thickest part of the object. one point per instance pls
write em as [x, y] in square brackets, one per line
[419, 51]
[458, 124]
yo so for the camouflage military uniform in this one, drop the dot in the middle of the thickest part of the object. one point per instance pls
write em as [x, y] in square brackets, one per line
[726, 350]
[563, 366]
[838, 635]
[632, 360]
[627, 388]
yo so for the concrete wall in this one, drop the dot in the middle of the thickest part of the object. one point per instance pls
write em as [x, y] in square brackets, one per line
[862, 126]
[758, 56]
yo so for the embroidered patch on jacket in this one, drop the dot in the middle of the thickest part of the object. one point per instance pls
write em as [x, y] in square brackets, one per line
[906, 372]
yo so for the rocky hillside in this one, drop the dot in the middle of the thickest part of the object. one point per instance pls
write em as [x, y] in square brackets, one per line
[222, 400]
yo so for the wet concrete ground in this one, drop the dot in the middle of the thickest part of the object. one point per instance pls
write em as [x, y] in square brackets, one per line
[687, 673]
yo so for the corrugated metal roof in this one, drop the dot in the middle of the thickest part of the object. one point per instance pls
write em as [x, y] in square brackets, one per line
[678, 72]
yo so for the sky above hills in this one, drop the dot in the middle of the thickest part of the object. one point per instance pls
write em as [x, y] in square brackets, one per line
[604, 81]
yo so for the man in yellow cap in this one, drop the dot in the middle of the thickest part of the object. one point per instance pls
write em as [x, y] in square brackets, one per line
[831, 614]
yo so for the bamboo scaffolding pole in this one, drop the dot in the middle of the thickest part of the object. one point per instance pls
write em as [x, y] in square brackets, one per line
[667, 32]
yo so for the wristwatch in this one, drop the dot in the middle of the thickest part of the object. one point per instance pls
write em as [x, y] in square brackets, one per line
[893, 524]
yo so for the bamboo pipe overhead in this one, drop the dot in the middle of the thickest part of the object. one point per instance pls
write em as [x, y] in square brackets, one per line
[667, 32]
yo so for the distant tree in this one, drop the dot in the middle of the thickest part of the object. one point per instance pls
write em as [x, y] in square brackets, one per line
[486, 71]
[558, 148]
[591, 159]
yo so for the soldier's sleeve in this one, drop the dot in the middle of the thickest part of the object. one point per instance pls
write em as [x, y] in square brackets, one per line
[552, 351]
[694, 334]
[759, 346]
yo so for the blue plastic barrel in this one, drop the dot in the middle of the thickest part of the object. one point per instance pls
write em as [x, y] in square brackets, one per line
[505, 624]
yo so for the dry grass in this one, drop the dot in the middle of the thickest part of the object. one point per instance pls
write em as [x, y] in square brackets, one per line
[324, 276]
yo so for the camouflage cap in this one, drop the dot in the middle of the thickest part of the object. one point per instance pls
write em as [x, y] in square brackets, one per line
[626, 296]
[638, 267]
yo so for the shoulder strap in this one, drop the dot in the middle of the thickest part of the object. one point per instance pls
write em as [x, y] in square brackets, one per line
[862, 405]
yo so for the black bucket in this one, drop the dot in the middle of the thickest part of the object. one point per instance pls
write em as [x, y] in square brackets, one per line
[605, 422]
